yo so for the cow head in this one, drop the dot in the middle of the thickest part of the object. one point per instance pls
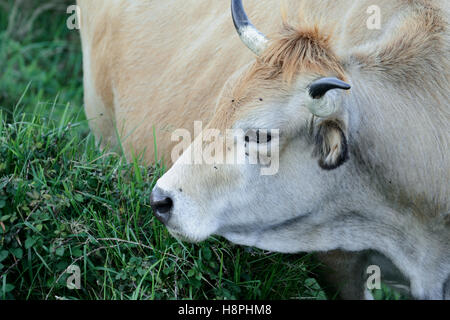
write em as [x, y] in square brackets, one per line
[285, 107]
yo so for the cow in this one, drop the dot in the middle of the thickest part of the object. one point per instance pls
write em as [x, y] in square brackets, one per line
[360, 115]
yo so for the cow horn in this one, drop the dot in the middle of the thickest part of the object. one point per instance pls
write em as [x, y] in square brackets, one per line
[324, 106]
[318, 88]
[252, 37]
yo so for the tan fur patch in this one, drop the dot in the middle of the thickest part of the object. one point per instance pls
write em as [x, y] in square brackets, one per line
[297, 50]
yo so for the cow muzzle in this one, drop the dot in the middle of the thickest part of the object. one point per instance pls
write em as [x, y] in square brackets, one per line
[161, 205]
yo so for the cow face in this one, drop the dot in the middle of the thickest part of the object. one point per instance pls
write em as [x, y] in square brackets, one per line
[286, 112]
[303, 156]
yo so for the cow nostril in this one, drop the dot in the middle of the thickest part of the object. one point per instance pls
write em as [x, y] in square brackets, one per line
[161, 204]
[164, 206]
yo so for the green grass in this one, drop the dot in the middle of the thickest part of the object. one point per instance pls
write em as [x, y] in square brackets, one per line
[39, 52]
[63, 202]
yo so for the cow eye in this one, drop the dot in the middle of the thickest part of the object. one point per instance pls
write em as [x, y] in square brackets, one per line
[258, 137]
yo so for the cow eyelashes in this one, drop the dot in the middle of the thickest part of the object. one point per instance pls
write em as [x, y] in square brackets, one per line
[258, 136]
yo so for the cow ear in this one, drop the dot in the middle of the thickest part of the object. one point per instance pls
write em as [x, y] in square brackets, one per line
[331, 144]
